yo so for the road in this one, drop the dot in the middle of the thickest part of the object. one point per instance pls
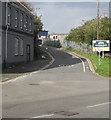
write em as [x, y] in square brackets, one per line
[66, 89]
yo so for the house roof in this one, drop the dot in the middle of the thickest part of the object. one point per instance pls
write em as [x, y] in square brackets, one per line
[21, 5]
[58, 34]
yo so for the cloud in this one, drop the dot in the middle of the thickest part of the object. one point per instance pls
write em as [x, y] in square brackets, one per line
[61, 17]
[67, 0]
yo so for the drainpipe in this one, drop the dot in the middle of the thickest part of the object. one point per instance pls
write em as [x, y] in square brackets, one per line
[6, 35]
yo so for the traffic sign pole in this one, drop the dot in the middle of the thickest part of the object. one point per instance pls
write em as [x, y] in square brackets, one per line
[99, 58]
[102, 54]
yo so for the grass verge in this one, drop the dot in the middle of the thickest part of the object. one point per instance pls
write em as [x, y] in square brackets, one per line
[105, 63]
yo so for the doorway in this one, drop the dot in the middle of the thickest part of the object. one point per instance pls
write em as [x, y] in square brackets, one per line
[28, 53]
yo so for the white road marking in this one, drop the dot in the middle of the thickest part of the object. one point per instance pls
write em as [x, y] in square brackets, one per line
[98, 105]
[71, 66]
[80, 60]
[43, 116]
[83, 65]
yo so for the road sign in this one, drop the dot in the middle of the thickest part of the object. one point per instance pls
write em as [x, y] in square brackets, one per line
[101, 45]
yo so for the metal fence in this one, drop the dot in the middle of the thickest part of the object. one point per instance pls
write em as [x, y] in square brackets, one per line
[82, 47]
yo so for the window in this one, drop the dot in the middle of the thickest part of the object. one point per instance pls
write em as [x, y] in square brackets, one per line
[9, 16]
[16, 46]
[54, 37]
[26, 22]
[21, 20]
[30, 25]
[21, 47]
[16, 18]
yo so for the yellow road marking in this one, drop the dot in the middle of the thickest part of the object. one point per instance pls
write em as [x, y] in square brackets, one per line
[14, 79]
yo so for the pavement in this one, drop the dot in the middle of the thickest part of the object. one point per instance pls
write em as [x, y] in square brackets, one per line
[24, 68]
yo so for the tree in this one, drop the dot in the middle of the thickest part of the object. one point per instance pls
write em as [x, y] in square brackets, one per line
[38, 25]
[88, 31]
[36, 28]
[105, 29]
[27, 5]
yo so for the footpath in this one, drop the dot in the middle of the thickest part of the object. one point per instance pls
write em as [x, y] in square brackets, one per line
[24, 69]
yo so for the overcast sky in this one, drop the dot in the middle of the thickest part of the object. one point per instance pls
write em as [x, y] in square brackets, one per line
[60, 17]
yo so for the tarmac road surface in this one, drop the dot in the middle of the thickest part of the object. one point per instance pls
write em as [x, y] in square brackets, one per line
[66, 89]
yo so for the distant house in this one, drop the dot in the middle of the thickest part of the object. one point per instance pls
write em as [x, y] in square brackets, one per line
[55, 36]
[17, 34]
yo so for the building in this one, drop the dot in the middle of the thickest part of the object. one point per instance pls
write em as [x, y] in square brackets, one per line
[43, 35]
[58, 36]
[17, 34]
[0, 39]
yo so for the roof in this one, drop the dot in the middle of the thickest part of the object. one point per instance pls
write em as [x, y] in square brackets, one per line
[22, 5]
[58, 34]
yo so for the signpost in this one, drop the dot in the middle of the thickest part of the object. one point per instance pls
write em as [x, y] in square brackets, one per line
[101, 45]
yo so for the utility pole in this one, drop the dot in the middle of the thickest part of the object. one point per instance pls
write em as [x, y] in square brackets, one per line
[97, 19]
[98, 26]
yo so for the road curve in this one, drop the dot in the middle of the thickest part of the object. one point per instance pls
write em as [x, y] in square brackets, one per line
[63, 90]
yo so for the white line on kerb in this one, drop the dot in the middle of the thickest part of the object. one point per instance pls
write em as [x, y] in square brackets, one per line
[80, 60]
[43, 116]
[98, 105]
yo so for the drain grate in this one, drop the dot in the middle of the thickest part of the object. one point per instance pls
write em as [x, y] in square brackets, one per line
[66, 113]
[34, 84]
